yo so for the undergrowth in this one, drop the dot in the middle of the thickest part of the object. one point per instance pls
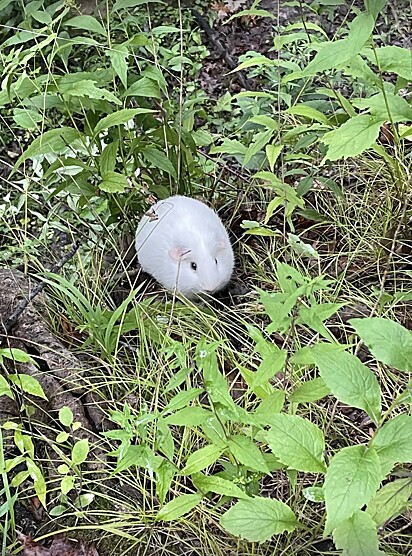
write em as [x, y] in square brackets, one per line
[272, 421]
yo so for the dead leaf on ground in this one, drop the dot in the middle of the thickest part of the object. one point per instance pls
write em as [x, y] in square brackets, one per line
[60, 546]
[227, 7]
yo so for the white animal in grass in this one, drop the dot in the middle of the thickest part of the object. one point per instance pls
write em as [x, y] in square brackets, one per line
[183, 244]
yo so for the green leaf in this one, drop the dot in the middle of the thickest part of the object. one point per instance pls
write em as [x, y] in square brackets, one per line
[80, 451]
[27, 119]
[386, 106]
[258, 519]
[270, 365]
[349, 380]
[107, 160]
[87, 23]
[42, 17]
[314, 494]
[189, 417]
[218, 485]
[390, 501]
[182, 399]
[145, 87]
[308, 112]
[392, 59]
[393, 442]
[164, 477]
[357, 536]
[67, 484]
[273, 403]
[118, 118]
[87, 88]
[66, 416]
[118, 58]
[124, 4]
[351, 481]
[353, 137]
[388, 341]
[202, 458]
[296, 442]
[15, 354]
[53, 141]
[229, 146]
[113, 182]
[272, 154]
[28, 384]
[310, 391]
[5, 389]
[38, 481]
[247, 453]
[140, 456]
[159, 160]
[178, 507]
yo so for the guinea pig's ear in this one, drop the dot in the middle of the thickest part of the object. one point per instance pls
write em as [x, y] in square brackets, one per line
[179, 252]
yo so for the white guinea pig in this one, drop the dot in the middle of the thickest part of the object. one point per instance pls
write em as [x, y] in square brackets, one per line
[183, 244]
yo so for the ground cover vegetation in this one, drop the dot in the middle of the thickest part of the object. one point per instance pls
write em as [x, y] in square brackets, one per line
[275, 417]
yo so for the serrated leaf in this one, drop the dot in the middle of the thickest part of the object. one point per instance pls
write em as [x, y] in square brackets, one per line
[247, 453]
[393, 442]
[202, 458]
[66, 416]
[119, 118]
[353, 137]
[218, 485]
[159, 160]
[270, 365]
[349, 380]
[296, 442]
[113, 182]
[357, 536]
[87, 88]
[28, 384]
[80, 451]
[388, 341]
[392, 59]
[178, 507]
[107, 160]
[272, 154]
[310, 391]
[352, 479]
[87, 23]
[273, 403]
[259, 519]
[118, 58]
[390, 501]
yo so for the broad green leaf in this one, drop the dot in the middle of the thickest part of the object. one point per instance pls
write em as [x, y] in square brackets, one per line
[218, 485]
[296, 442]
[118, 58]
[87, 88]
[87, 23]
[386, 106]
[113, 182]
[164, 477]
[314, 315]
[189, 417]
[28, 384]
[390, 501]
[164, 439]
[308, 112]
[107, 160]
[140, 456]
[53, 141]
[202, 458]
[66, 416]
[119, 118]
[26, 118]
[67, 484]
[310, 391]
[268, 368]
[145, 87]
[5, 389]
[349, 380]
[388, 341]
[229, 146]
[15, 354]
[42, 17]
[272, 154]
[178, 506]
[392, 59]
[331, 55]
[80, 451]
[182, 399]
[259, 519]
[352, 479]
[159, 160]
[266, 121]
[361, 29]
[247, 453]
[357, 536]
[38, 481]
[259, 61]
[353, 137]
[260, 140]
[271, 404]
[393, 442]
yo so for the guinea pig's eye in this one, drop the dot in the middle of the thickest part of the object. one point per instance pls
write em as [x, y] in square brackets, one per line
[193, 266]
[216, 261]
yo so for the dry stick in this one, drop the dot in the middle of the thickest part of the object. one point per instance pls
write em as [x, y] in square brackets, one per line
[13, 318]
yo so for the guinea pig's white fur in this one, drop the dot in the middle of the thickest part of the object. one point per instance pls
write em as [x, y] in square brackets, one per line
[183, 244]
